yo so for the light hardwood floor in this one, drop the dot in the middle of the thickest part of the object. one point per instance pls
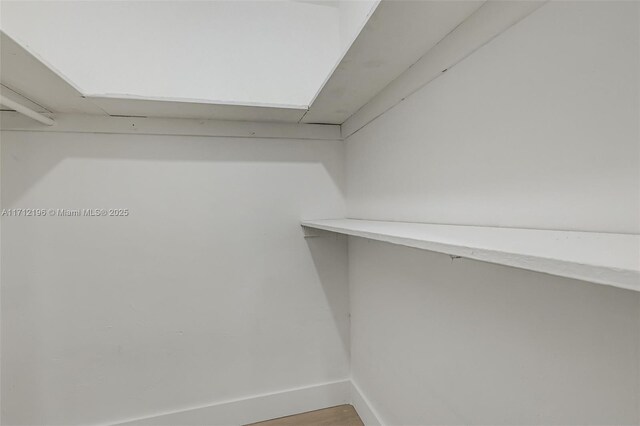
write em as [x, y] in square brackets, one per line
[342, 415]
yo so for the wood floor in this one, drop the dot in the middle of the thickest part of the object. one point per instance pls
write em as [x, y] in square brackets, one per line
[342, 415]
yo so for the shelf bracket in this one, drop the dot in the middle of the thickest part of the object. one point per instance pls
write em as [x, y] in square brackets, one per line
[315, 233]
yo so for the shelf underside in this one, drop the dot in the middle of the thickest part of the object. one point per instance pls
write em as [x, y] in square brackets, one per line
[602, 258]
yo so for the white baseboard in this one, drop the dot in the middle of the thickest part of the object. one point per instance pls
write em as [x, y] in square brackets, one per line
[256, 408]
[364, 408]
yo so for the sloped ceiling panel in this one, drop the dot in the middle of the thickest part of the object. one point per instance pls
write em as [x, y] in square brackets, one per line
[396, 36]
[25, 74]
[141, 107]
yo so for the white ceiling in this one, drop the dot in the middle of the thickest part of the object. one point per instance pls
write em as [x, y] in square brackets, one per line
[396, 36]
[272, 52]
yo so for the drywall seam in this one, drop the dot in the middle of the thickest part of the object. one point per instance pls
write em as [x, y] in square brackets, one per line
[488, 22]
[256, 408]
[81, 123]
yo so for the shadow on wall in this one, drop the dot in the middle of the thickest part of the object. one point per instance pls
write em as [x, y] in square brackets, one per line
[437, 340]
[330, 258]
[205, 292]
[57, 147]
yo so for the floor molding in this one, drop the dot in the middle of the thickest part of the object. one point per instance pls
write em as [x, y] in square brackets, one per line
[256, 408]
[364, 408]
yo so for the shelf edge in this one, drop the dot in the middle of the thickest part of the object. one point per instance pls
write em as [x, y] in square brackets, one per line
[597, 274]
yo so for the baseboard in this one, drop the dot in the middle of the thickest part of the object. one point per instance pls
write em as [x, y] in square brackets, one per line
[365, 410]
[256, 408]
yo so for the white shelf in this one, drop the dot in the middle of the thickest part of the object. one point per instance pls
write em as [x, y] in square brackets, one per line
[602, 258]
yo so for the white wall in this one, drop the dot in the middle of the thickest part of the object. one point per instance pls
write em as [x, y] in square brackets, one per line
[206, 292]
[437, 341]
[539, 128]
[276, 52]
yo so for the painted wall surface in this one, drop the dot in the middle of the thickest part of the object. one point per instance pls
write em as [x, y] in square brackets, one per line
[538, 128]
[439, 341]
[276, 52]
[207, 291]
